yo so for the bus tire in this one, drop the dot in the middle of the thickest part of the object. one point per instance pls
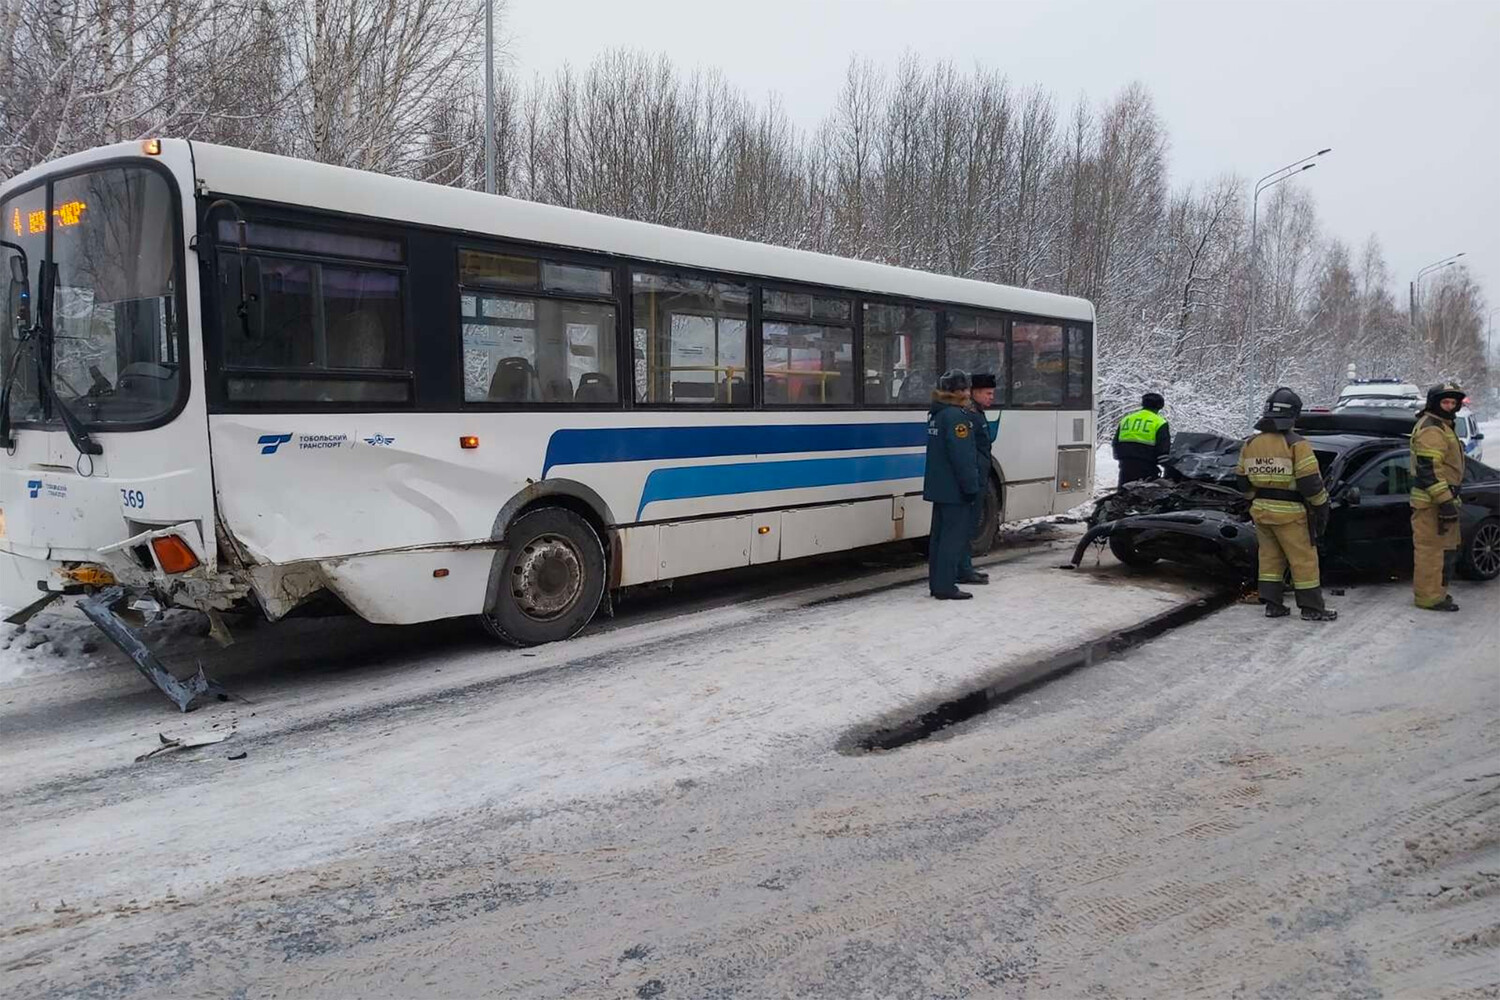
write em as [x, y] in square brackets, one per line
[550, 579]
[989, 521]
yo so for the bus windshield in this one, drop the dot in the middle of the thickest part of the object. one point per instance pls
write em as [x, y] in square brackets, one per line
[111, 348]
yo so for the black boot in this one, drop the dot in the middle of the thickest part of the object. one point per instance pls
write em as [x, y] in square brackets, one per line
[1319, 614]
[1446, 604]
[1277, 611]
[954, 595]
[975, 577]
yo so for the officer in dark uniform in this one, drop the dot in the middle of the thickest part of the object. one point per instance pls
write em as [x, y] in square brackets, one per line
[950, 483]
[1142, 439]
[981, 398]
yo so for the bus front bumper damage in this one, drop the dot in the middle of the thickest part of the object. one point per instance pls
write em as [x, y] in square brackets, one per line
[140, 576]
[188, 694]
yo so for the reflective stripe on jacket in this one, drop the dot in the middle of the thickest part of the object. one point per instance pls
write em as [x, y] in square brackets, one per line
[1282, 464]
[1437, 462]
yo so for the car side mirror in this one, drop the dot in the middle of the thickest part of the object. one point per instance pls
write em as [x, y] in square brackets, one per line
[1478, 435]
[1352, 497]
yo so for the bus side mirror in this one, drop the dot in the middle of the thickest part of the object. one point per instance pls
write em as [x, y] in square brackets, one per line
[20, 293]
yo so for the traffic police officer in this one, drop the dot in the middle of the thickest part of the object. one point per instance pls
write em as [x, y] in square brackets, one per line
[1437, 469]
[981, 398]
[950, 482]
[1279, 472]
[1142, 439]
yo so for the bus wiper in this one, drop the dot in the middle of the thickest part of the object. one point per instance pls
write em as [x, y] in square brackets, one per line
[77, 434]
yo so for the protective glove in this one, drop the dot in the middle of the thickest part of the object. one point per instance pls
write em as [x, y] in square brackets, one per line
[1447, 516]
[1320, 518]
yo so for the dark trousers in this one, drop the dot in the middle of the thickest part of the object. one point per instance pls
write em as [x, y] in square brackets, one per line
[966, 554]
[1132, 470]
[952, 526]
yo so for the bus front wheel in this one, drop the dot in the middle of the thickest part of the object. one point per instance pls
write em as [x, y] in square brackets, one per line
[550, 580]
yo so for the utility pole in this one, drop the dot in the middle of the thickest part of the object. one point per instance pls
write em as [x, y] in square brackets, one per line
[489, 96]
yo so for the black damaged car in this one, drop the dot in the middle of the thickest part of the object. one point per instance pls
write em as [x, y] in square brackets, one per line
[1196, 515]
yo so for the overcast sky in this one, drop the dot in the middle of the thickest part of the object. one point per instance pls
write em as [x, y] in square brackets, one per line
[1407, 94]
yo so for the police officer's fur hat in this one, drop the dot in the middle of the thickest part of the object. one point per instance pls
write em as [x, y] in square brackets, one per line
[981, 380]
[1152, 401]
[953, 380]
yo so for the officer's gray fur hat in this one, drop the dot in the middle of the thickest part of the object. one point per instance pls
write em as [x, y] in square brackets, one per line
[954, 380]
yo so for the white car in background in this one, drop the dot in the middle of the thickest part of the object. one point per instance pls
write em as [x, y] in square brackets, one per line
[1380, 392]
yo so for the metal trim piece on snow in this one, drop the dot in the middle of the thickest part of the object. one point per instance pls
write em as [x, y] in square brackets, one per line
[185, 694]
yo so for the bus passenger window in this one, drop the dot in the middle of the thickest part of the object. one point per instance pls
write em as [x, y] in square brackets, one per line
[809, 360]
[976, 343]
[1078, 391]
[900, 348]
[1037, 364]
[689, 340]
[541, 350]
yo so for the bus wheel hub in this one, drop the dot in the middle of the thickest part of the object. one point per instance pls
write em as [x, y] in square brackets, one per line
[547, 577]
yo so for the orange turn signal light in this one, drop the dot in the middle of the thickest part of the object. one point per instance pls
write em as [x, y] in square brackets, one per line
[468, 441]
[151, 147]
[173, 554]
[438, 574]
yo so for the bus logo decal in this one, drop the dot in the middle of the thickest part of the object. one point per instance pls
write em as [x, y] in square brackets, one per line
[380, 440]
[269, 443]
[34, 486]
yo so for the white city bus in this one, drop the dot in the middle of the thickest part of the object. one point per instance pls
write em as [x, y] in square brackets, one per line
[237, 381]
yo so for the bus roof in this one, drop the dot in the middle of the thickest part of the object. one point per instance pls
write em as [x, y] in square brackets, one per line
[231, 172]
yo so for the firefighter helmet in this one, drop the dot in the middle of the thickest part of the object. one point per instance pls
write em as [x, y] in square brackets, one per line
[1283, 407]
[1438, 393]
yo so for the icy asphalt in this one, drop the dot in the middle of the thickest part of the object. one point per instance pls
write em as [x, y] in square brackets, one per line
[660, 809]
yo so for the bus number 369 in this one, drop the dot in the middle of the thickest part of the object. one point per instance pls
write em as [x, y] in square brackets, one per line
[133, 498]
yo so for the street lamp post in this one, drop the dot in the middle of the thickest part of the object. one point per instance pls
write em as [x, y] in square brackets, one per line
[489, 96]
[1267, 182]
[1416, 284]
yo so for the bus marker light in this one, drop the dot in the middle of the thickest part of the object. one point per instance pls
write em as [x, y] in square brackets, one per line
[468, 441]
[173, 554]
[439, 573]
[763, 530]
[151, 147]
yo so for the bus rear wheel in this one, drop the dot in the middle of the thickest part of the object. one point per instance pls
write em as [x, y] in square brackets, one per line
[550, 580]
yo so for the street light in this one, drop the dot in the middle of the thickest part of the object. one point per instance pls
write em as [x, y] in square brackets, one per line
[1267, 182]
[1416, 284]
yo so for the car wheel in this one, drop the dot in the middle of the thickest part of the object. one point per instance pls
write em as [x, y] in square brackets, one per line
[989, 521]
[1480, 557]
[1124, 549]
[548, 581]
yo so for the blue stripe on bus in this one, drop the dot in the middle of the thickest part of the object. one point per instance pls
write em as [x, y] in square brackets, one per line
[586, 446]
[688, 482]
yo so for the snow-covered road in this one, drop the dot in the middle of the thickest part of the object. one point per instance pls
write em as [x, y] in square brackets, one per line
[660, 808]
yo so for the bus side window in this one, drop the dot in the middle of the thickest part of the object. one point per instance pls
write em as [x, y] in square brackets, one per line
[689, 340]
[527, 339]
[900, 355]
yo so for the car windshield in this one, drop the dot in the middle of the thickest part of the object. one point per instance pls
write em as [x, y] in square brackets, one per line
[114, 343]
